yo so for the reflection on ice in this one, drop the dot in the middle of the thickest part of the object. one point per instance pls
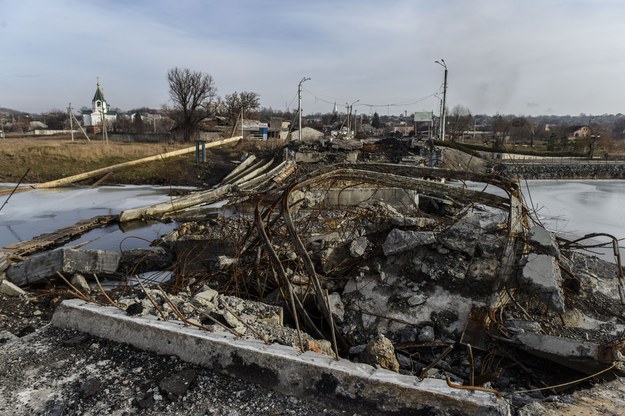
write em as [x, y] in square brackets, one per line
[577, 208]
[574, 208]
[39, 211]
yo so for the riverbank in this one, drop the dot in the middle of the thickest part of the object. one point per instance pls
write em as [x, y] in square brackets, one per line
[564, 169]
[45, 159]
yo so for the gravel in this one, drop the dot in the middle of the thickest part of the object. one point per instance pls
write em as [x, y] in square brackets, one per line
[51, 371]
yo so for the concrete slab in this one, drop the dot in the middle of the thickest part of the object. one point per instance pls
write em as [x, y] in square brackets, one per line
[463, 235]
[585, 356]
[279, 367]
[9, 289]
[542, 273]
[398, 241]
[71, 261]
[543, 241]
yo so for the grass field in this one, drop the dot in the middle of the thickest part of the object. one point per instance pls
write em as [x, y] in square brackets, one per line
[48, 159]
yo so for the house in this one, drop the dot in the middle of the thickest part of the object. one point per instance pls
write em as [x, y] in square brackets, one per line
[92, 119]
[308, 133]
[278, 128]
[254, 128]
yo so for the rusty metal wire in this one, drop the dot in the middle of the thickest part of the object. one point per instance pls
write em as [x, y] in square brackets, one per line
[617, 256]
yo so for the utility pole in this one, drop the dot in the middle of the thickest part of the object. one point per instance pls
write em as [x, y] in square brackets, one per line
[349, 112]
[349, 116]
[105, 137]
[299, 107]
[71, 120]
[444, 65]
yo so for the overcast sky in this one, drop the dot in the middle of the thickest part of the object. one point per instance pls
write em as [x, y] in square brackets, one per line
[524, 57]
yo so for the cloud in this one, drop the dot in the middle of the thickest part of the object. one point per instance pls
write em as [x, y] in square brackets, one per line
[501, 55]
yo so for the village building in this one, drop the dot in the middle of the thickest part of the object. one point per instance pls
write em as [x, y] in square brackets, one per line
[92, 119]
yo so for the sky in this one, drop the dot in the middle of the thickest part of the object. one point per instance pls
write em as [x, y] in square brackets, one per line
[523, 57]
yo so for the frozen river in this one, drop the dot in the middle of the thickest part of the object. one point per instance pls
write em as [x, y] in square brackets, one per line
[571, 208]
[31, 213]
[576, 208]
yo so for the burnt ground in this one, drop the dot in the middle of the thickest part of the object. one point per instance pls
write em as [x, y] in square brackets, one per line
[50, 371]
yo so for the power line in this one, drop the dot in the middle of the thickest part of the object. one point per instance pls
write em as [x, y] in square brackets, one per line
[418, 100]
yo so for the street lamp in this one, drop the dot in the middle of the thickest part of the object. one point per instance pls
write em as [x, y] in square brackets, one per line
[444, 65]
[299, 107]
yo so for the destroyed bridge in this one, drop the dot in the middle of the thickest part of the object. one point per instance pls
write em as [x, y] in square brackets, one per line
[392, 287]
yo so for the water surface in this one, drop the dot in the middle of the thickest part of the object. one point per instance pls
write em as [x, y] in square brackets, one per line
[38, 211]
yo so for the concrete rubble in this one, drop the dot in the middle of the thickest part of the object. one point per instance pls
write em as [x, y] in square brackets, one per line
[444, 300]
[45, 265]
[281, 368]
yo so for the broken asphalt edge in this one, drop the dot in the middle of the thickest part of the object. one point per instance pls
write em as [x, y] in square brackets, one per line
[278, 367]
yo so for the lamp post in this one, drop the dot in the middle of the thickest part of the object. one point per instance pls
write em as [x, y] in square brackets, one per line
[444, 65]
[299, 107]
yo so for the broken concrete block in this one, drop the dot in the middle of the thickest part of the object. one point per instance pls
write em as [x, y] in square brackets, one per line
[543, 241]
[336, 306]
[585, 356]
[491, 220]
[358, 247]
[280, 367]
[380, 351]
[398, 241]
[137, 261]
[542, 273]
[9, 289]
[463, 235]
[80, 283]
[321, 346]
[418, 299]
[426, 334]
[46, 265]
[206, 297]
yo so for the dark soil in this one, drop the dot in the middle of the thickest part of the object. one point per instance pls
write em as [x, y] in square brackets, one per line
[50, 371]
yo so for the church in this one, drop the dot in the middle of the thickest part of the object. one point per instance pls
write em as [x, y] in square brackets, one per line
[92, 119]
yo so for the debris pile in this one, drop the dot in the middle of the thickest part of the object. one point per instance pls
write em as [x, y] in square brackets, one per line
[387, 265]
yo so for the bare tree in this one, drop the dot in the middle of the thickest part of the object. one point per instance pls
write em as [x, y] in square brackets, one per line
[500, 126]
[237, 104]
[618, 131]
[521, 129]
[458, 121]
[192, 93]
